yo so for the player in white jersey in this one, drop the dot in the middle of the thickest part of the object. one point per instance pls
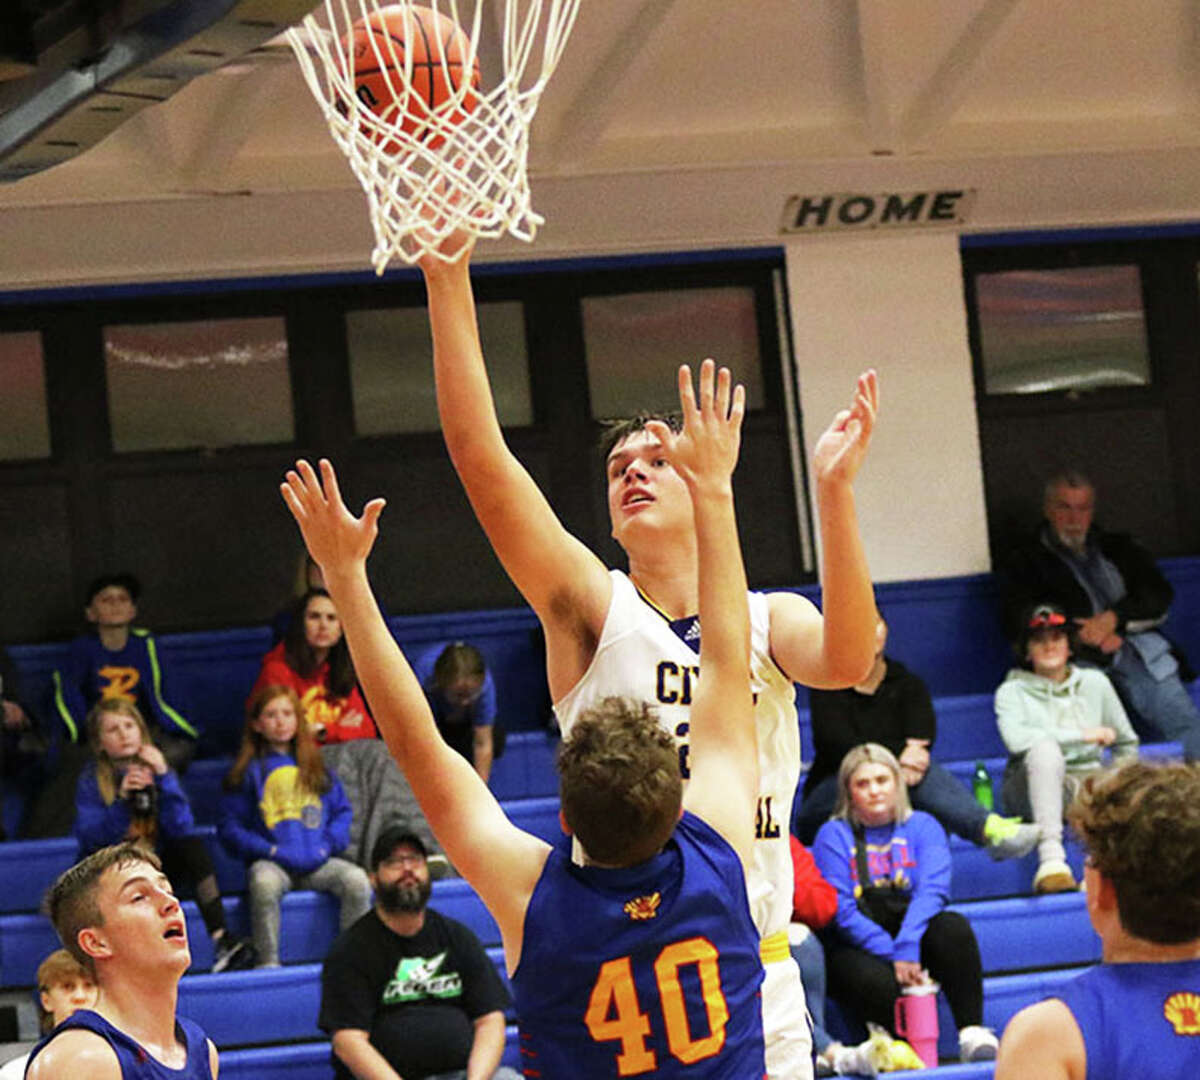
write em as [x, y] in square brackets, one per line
[582, 607]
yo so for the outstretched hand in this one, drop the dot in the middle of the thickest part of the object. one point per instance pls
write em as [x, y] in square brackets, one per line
[706, 450]
[335, 538]
[841, 449]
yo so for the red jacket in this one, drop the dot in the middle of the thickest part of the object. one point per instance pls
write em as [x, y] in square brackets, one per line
[334, 719]
[814, 900]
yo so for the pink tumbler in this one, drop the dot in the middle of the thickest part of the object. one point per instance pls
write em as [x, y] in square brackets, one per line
[917, 1020]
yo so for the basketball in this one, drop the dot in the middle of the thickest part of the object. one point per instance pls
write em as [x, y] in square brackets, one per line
[383, 44]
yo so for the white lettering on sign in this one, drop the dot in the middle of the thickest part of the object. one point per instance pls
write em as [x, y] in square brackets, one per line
[890, 210]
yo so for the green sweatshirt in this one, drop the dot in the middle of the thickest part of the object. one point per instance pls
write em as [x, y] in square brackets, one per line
[1030, 707]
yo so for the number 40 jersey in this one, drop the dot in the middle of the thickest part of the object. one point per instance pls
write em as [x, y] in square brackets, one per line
[648, 970]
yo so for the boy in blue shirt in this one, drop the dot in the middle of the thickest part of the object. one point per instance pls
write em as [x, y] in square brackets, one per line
[118, 660]
[1138, 1012]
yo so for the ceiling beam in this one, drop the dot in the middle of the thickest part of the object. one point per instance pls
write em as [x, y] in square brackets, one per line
[585, 120]
[878, 105]
[935, 103]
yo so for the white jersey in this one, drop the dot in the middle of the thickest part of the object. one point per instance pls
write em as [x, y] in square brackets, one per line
[640, 656]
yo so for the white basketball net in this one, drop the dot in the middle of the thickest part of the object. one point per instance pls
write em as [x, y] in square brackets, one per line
[461, 168]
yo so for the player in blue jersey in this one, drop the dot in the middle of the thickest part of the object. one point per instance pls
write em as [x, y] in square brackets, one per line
[1137, 1013]
[644, 960]
[116, 913]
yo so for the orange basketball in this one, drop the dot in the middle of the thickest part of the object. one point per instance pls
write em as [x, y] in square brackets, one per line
[381, 46]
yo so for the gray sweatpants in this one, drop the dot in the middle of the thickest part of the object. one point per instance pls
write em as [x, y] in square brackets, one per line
[1038, 787]
[269, 881]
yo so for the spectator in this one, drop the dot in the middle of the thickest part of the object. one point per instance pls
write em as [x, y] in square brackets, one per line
[814, 902]
[22, 744]
[407, 992]
[130, 792]
[892, 707]
[890, 865]
[1134, 1014]
[1111, 588]
[462, 697]
[314, 661]
[308, 576]
[288, 818]
[63, 986]
[1056, 718]
[118, 660]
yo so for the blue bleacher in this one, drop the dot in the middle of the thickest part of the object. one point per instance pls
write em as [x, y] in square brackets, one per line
[265, 1021]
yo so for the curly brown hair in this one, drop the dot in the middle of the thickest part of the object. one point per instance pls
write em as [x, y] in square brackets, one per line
[619, 782]
[1140, 825]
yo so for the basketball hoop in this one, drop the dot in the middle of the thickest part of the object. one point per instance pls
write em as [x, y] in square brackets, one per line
[463, 165]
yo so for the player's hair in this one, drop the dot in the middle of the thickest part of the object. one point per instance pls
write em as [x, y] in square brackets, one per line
[106, 771]
[59, 967]
[302, 659]
[458, 660]
[313, 776]
[1140, 825]
[1068, 477]
[619, 782]
[874, 754]
[614, 432]
[71, 902]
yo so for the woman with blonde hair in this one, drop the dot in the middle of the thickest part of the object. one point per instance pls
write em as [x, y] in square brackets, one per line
[890, 865]
[129, 792]
[288, 818]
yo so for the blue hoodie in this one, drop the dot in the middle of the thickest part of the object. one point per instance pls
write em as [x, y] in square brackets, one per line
[98, 824]
[269, 809]
[913, 855]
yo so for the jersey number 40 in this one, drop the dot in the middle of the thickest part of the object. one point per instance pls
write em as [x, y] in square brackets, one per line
[614, 1012]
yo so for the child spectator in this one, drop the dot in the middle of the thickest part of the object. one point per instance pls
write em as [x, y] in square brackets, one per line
[287, 817]
[130, 792]
[118, 660]
[462, 698]
[890, 865]
[313, 660]
[63, 986]
[1055, 718]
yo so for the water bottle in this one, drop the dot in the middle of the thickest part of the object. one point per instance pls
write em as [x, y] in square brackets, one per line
[981, 784]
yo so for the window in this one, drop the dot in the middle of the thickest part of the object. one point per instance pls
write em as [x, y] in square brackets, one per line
[24, 422]
[391, 367]
[1078, 328]
[635, 343]
[175, 386]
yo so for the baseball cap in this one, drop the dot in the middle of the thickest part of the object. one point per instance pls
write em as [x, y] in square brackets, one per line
[390, 839]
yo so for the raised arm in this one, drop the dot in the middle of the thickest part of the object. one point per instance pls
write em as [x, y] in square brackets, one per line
[564, 582]
[724, 752]
[835, 649]
[500, 861]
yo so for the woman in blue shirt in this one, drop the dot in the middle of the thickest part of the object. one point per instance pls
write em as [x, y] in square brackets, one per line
[890, 865]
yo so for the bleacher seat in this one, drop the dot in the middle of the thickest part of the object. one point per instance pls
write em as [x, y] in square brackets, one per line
[311, 1061]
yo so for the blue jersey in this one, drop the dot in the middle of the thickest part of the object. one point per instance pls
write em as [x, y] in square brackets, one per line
[1138, 1019]
[136, 1064]
[647, 970]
